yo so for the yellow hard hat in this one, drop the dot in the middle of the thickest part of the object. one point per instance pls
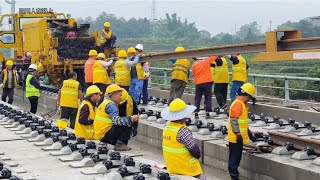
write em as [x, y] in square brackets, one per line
[9, 63]
[102, 56]
[93, 52]
[62, 123]
[113, 88]
[106, 24]
[131, 50]
[122, 54]
[179, 49]
[249, 89]
[124, 96]
[93, 89]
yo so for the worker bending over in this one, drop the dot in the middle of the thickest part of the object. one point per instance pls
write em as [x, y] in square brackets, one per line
[100, 73]
[86, 113]
[221, 81]
[128, 107]
[33, 88]
[136, 73]
[109, 127]
[9, 82]
[179, 76]
[122, 76]
[88, 75]
[180, 151]
[238, 128]
[239, 74]
[68, 96]
[201, 70]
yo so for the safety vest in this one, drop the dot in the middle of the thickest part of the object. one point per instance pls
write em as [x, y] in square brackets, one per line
[88, 70]
[108, 34]
[122, 77]
[69, 93]
[100, 74]
[213, 72]
[129, 108]
[30, 89]
[5, 78]
[180, 70]
[221, 72]
[239, 71]
[102, 121]
[140, 71]
[242, 122]
[85, 131]
[177, 157]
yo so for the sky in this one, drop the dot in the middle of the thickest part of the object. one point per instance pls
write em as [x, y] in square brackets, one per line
[214, 16]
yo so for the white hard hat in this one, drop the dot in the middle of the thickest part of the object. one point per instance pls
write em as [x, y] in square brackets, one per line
[33, 67]
[29, 54]
[139, 47]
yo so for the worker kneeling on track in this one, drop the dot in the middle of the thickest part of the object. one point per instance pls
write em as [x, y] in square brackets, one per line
[238, 128]
[86, 113]
[109, 127]
[180, 151]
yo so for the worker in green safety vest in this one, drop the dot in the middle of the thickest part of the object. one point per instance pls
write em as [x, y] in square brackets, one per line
[32, 88]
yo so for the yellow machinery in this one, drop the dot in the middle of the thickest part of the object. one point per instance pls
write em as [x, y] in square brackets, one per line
[56, 42]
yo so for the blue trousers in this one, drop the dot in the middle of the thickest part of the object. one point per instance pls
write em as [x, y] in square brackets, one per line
[145, 91]
[235, 153]
[234, 89]
[136, 89]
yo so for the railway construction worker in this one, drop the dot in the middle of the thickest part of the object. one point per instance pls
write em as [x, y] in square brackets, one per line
[100, 74]
[88, 74]
[239, 74]
[109, 127]
[179, 76]
[122, 76]
[137, 73]
[107, 38]
[9, 82]
[180, 151]
[68, 96]
[201, 70]
[145, 84]
[238, 127]
[128, 107]
[33, 88]
[221, 81]
[86, 113]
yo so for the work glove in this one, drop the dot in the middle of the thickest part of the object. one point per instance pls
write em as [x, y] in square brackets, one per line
[239, 138]
[251, 137]
[227, 56]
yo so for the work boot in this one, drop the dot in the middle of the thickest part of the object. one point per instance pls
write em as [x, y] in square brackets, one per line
[122, 147]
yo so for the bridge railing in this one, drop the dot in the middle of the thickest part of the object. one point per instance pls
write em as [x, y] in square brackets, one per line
[285, 88]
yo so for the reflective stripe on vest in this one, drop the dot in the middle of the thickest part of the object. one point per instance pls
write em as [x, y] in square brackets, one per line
[100, 74]
[30, 89]
[180, 70]
[85, 131]
[242, 122]
[177, 157]
[239, 71]
[102, 121]
[122, 77]
[222, 73]
[69, 93]
[108, 34]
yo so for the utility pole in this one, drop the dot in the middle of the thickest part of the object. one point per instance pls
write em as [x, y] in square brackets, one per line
[270, 27]
[13, 5]
[153, 17]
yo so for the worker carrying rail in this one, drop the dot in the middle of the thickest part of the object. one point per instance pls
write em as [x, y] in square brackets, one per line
[9, 82]
[86, 113]
[221, 81]
[88, 74]
[180, 151]
[69, 94]
[122, 73]
[238, 128]
[109, 127]
[33, 88]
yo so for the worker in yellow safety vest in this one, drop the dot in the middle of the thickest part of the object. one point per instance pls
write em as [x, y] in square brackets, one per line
[86, 113]
[9, 82]
[180, 151]
[100, 74]
[68, 99]
[88, 74]
[179, 76]
[33, 88]
[239, 74]
[238, 127]
[122, 72]
[107, 39]
[221, 81]
[109, 127]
